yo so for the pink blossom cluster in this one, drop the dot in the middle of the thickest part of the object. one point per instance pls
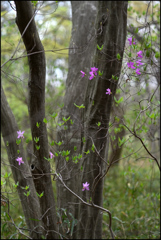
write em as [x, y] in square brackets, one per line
[139, 54]
[131, 64]
[93, 73]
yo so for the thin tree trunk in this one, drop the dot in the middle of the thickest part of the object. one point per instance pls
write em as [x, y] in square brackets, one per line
[22, 173]
[36, 104]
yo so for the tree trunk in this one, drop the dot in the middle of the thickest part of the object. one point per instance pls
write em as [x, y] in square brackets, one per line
[110, 31]
[36, 104]
[80, 53]
[22, 173]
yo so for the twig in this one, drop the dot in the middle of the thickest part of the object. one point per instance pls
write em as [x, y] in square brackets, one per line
[88, 204]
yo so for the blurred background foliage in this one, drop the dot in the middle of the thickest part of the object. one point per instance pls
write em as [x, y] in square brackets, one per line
[132, 187]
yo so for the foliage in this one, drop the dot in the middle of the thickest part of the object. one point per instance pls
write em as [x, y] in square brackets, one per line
[135, 201]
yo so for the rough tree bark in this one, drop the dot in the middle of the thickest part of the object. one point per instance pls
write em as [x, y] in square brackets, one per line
[116, 150]
[110, 31]
[111, 25]
[80, 53]
[36, 103]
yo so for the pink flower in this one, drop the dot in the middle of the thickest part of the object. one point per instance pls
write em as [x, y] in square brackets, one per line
[19, 160]
[139, 62]
[108, 91]
[130, 65]
[94, 70]
[83, 73]
[139, 54]
[85, 186]
[137, 71]
[51, 155]
[20, 134]
[92, 75]
[130, 41]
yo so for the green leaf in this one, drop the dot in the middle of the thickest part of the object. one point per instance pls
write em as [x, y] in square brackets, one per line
[136, 30]
[18, 141]
[93, 148]
[56, 154]
[18, 151]
[100, 74]
[82, 106]
[75, 148]
[74, 159]
[37, 147]
[37, 125]
[118, 56]
[40, 195]
[152, 115]
[52, 143]
[28, 193]
[121, 141]
[117, 119]
[71, 121]
[79, 156]
[2, 183]
[47, 159]
[147, 53]
[27, 140]
[87, 152]
[61, 105]
[36, 139]
[119, 101]
[16, 185]
[54, 115]
[67, 153]
[65, 119]
[34, 3]
[44, 120]
[157, 55]
[99, 48]
[117, 130]
[60, 124]
[98, 124]
[59, 143]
